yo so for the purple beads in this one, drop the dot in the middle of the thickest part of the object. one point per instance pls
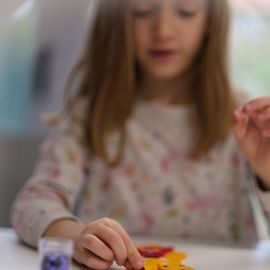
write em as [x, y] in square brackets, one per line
[55, 262]
[55, 253]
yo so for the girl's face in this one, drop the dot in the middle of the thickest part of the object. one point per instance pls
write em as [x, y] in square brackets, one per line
[167, 35]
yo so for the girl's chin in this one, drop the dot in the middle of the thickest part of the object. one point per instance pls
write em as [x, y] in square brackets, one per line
[166, 76]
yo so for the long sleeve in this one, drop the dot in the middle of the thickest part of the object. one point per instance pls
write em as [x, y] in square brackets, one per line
[259, 202]
[52, 191]
[264, 195]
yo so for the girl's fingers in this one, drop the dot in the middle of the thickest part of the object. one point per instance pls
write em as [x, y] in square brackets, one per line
[92, 243]
[91, 260]
[108, 240]
[266, 133]
[238, 114]
[128, 265]
[260, 118]
[111, 238]
[133, 254]
[264, 116]
[241, 123]
[258, 104]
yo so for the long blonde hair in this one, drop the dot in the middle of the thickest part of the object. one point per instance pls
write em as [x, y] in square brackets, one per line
[105, 76]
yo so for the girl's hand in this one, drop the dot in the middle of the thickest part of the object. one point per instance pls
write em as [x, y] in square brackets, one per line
[103, 241]
[252, 129]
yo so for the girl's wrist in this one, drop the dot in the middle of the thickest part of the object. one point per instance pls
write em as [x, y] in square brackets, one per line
[65, 228]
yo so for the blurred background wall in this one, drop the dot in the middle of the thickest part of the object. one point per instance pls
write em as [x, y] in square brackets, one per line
[250, 46]
[39, 42]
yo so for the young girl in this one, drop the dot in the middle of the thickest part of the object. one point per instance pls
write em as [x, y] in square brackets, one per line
[146, 139]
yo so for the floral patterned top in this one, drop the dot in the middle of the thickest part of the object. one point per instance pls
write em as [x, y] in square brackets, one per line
[156, 190]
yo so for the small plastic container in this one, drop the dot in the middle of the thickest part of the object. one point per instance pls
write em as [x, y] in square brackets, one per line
[55, 253]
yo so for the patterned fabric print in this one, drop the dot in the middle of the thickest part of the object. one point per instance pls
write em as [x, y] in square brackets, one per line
[53, 190]
[155, 190]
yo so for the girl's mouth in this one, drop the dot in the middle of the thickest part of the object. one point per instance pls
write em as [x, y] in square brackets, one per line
[162, 54]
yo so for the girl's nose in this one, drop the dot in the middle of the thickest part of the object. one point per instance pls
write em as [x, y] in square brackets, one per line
[163, 26]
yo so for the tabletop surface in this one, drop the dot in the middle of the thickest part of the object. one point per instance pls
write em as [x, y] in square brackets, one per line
[14, 255]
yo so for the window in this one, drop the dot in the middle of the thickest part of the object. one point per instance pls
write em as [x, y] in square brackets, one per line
[250, 46]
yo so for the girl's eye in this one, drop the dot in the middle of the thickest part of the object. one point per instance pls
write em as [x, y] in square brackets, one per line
[186, 14]
[142, 13]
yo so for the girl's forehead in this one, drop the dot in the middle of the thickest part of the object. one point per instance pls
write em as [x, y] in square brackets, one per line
[180, 2]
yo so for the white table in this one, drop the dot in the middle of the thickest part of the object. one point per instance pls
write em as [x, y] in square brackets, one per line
[15, 256]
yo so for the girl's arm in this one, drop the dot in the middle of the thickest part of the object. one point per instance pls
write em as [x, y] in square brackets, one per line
[44, 208]
[53, 189]
[65, 228]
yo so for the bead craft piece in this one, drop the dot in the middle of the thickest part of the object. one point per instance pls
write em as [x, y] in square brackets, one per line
[154, 251]
[157, 257]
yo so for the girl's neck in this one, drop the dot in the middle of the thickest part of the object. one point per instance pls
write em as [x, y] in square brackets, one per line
[166, 92]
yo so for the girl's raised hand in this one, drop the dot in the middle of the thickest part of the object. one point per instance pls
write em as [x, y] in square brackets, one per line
[103, 241]
[252, 130]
